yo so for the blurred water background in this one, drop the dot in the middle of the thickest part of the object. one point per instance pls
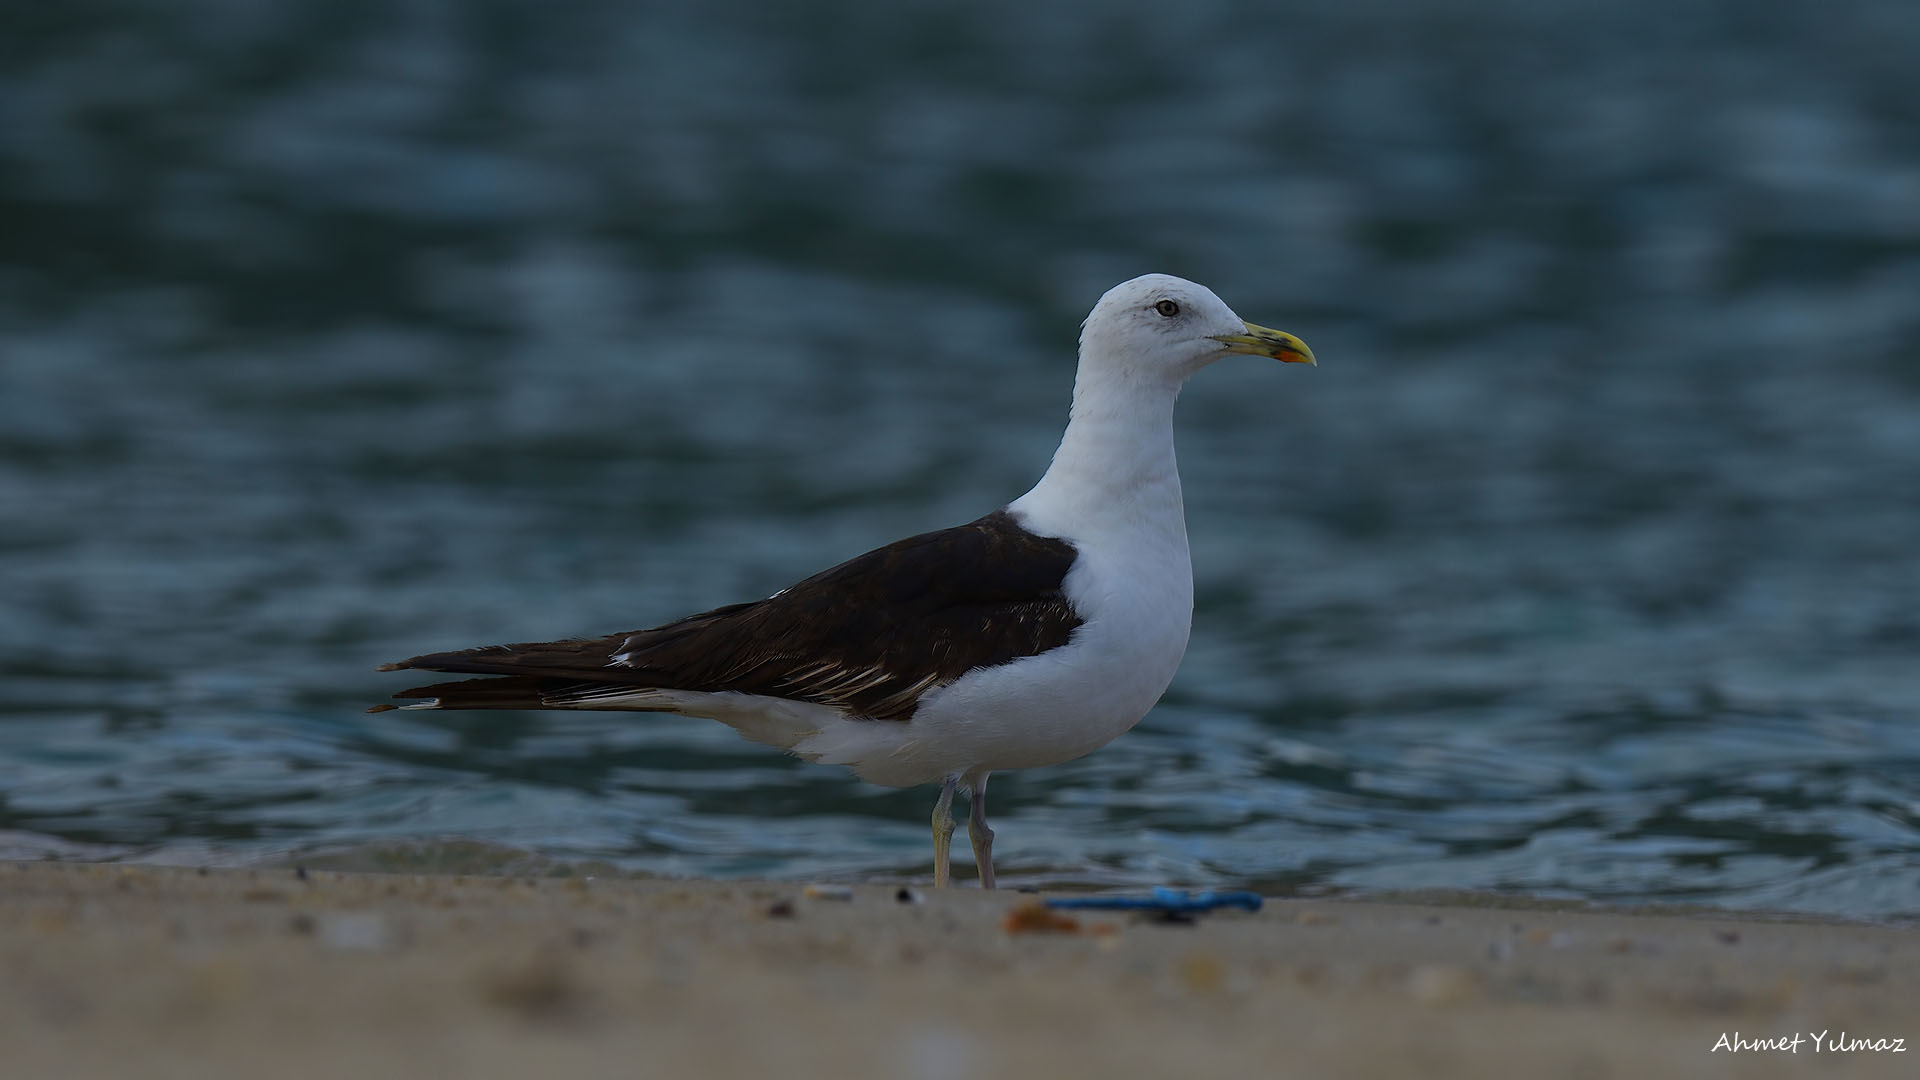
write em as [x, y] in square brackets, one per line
[1584, 566]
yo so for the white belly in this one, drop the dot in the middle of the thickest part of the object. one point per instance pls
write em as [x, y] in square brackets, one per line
[1137, 608]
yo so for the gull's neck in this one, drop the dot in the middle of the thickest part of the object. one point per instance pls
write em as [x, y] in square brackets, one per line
[1115, 469]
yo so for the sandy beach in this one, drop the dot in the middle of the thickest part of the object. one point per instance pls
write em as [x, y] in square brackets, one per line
[156, 972]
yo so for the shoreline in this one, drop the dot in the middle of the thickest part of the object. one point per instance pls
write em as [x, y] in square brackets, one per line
[118, 970]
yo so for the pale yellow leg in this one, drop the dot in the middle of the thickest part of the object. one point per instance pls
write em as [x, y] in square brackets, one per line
[943, 831]
[978, 832]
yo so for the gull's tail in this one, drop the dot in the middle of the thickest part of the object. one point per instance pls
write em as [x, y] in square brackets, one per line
[534, 675]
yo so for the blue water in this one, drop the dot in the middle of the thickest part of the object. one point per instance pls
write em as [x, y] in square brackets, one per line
[1586, 565]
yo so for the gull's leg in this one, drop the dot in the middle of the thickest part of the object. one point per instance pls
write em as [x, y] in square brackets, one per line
[943, 830]
[978, 832]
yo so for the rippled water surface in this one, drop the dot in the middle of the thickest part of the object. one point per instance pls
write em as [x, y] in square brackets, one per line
[1587, 564]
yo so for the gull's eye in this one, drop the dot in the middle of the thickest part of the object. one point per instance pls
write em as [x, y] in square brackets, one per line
[1167, 308]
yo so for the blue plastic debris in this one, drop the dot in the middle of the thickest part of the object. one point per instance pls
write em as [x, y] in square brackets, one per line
[1164, 901]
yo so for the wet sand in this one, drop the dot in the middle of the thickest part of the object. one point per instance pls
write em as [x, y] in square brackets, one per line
[111, 971]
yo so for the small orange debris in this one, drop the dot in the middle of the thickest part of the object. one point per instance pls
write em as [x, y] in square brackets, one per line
[1037, 918]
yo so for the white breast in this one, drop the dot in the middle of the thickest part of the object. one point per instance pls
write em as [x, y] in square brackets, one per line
[1045, 709]
[1133, 589]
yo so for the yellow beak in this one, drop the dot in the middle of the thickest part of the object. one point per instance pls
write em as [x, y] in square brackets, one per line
[1260, 341]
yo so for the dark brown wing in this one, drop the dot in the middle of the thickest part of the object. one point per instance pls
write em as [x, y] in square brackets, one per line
[868, 636]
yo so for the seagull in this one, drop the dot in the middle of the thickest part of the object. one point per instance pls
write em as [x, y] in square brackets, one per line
[1032, 636]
